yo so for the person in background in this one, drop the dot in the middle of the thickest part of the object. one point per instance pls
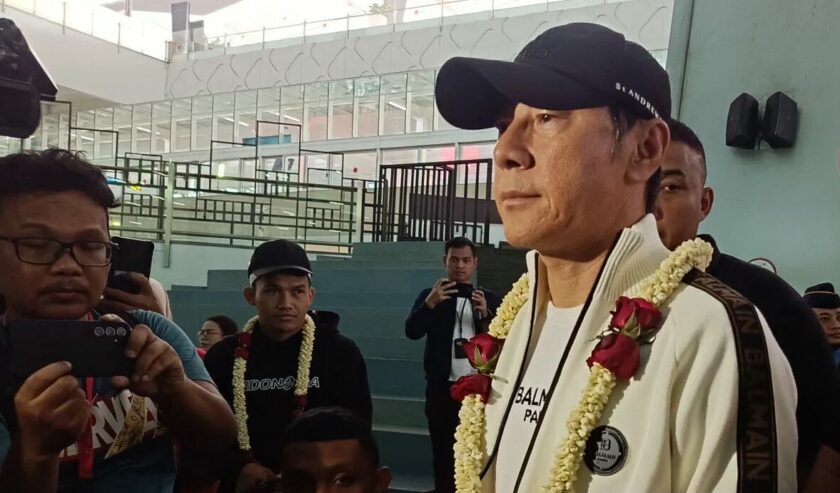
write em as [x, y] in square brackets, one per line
[825, 302]
[215, 329]
[258, 369]
[330, 450]
[684, 202]
[152, 297]
[447, 321]
[105, 436]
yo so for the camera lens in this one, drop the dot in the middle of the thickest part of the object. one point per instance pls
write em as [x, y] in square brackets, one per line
[121, 331]
[99, 331]
[109, 331]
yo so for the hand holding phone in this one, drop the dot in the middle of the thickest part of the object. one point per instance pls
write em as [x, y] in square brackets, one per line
[130, 256]
[52, 410]
[119, 301]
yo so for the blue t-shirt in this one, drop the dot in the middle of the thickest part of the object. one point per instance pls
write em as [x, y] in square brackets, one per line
[148, 466]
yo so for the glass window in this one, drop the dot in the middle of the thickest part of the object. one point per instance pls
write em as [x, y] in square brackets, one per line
[161, 126]
[436, 154]
[246, 116]
[85, 139]
[104, 140]
[399, 156]
[141, 119]
[393, 104]
[122, 124]
[341, 109]
[477, 151]
[268, 110]
[366, 118]
[202, 122]
[181, 125]
[440, 122]
[315, 111]
[51, 133]
[421, 101]
[223, 119]
[291, 112]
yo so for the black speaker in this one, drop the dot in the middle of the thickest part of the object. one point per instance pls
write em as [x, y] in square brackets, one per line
[781, 119]
[742, 122]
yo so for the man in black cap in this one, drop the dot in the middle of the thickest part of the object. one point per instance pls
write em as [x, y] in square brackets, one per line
[684, 202]
[582, 134]
[825, 302]
[286, 360]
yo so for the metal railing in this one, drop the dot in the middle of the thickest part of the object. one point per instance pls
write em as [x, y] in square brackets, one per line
[183, 203]
[131, 33]
[434, 201]
[380, 17]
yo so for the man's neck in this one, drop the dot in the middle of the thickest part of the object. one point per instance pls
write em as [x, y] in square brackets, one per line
[569, 282]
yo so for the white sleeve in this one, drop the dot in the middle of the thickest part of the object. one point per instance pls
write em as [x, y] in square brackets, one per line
[704, 408]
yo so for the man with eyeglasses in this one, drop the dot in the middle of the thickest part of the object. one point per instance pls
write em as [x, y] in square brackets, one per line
[89, 434]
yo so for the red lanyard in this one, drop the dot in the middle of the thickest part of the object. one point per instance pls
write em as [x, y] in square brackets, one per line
[85, 443]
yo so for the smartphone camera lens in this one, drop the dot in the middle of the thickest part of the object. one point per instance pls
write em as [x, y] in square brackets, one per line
[109, 331]
[99, 331]
[121, 331]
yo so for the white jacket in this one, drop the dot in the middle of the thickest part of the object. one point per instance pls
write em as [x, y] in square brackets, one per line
[679, 414]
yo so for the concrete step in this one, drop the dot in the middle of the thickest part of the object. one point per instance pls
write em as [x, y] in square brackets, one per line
[399, 411]
[396, 377]
[390, 347]
[407, 451]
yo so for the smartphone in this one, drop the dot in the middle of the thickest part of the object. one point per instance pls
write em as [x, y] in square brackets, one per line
[94, 348]
[465, 290]
[130, 256]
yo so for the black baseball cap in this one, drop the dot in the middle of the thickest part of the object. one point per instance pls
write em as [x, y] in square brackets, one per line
[569, 67]
[278, 255]
[822, 296]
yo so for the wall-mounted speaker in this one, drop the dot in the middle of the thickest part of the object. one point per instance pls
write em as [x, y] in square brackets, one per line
[781, 120]
[742, 126]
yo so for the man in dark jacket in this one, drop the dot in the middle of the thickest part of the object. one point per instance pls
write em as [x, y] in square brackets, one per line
[684, 201]
[270, 348]
[448, 314]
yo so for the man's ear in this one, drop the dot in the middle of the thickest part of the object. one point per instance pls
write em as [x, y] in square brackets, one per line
[652, 139]
[250, 295]
[706, 202]
[383, 479]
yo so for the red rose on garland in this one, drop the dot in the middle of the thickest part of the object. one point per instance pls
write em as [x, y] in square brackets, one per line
[618, 353]
[469, 385]
[635, 313]
[483, 352]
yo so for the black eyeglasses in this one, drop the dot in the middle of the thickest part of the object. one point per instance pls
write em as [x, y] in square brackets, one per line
[46, 251]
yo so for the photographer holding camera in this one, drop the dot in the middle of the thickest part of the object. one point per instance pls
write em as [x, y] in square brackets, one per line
[449, 314]
[62, 430]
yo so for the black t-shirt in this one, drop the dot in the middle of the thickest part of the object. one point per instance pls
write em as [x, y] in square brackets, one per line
[801, 339]
[337, 377]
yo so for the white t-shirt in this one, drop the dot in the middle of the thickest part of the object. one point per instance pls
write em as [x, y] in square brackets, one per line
[532, 393]
[464, 329]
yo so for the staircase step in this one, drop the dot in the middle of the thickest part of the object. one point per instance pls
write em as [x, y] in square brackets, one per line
[399, 411]
[396, 377]
[407, 451]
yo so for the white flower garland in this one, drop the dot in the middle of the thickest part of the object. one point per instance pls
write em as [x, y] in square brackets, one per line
[240, 366]
[469, 445]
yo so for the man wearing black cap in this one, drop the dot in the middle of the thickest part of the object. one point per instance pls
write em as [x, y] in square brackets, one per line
[582, 136]
[825, 302]
[287, 359]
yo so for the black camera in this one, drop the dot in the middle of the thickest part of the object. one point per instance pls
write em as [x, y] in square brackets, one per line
[24, 83]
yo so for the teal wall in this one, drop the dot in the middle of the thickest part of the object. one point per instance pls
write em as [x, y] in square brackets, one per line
[784, 205]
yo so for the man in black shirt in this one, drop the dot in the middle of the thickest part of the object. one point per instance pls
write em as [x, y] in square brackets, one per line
[825, 302]
[286, 360]
[684, 201]
[447, 314]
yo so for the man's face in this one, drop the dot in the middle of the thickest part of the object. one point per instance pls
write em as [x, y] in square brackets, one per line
[830, 321]
[560, 179]
[282, 301]
[210, 334]
[460, 264]
[683, 200]
[63, 290]
[330, 467]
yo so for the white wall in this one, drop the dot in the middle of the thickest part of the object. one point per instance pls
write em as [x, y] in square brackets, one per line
[90, 65]
[645, 21]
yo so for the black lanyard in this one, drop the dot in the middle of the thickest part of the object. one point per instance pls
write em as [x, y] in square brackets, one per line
[459, 314]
